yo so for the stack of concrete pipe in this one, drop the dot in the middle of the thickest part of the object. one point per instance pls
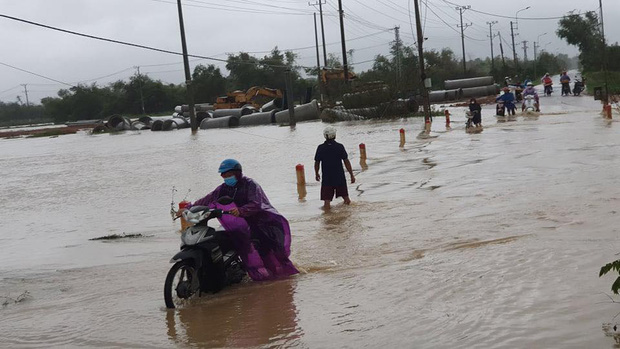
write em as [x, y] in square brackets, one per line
[220, 122]
[197, 107]
[118, 123]
[464, 88]
[304, 112]
[264, 118]
[365, 99]
[238, 112]
[335, 115]
[275, 104]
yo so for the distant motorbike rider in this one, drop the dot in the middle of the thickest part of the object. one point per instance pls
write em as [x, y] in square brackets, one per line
[548, 83]
[531, 91]
[565, 81]
[508, 98]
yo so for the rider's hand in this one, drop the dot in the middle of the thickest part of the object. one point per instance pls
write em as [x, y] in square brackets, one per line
[180, 212]
[234, 211]
[317, 177]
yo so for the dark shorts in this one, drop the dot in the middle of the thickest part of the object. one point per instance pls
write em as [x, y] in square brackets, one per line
[327, 192]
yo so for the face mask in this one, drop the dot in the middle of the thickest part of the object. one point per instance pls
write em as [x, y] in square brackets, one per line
[230, 181]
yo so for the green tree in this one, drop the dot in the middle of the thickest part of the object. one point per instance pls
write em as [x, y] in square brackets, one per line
[584, 32]
[208, 83]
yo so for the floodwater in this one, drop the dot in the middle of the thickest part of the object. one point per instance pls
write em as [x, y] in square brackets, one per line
[488, 240]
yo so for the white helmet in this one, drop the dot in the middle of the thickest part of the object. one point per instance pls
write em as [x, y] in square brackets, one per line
[329, 132]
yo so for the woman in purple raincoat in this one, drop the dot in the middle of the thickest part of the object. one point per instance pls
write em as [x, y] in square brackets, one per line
[252, 217]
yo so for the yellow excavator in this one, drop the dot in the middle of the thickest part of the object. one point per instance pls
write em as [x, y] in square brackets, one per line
[255, 96]
[328, 75]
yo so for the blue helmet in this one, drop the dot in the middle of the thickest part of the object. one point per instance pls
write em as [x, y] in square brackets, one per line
[229, 165]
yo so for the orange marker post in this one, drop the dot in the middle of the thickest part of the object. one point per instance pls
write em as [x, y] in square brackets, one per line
[363, 156]
[301, 181]
[447, 113]
[402, 137]
[427, 126]
[607, 110]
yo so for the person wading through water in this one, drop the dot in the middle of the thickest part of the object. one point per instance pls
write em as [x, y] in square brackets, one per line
[329, 158]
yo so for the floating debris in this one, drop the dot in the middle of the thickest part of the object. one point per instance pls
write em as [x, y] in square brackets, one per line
[123, 236]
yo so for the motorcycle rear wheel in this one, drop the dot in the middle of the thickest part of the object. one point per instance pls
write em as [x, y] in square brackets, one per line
[181, 284]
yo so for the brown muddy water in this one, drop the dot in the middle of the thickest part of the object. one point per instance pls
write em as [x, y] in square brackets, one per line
[489, 240]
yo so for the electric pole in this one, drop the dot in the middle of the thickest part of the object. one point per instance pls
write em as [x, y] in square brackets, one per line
[26, 92]
[514, 52]
[535, 58]
[318, 61]
[345, 66]
[491, 36]
[461, 9]
[501, 49]
[140, 86]
[606, 99]
[425, 103]
[525, 51]
[320, 3]
[188, 76]
[397, 44]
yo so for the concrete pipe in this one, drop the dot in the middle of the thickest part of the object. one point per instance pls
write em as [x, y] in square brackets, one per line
[304, 112]
[201, 115]
[174, 123]
[265, 118]
[275, 104]
[437, 96]
[157, 125]
[480, 91]
[221, 122]
[138, 125]
[231, 112]
[335, 115]
[148, 120]
[119, 123]
[197, 107]
[364, 99]
[468, 83]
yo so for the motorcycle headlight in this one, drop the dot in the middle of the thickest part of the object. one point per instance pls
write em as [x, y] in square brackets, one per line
[191, 236]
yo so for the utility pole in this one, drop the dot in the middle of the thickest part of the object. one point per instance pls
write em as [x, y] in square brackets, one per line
[425, 103]
[140, 85]
[188, 76]
[501, 49]
[397, 43]
[289, 97]
[26, 92]
[606, 99]
[535, 59]
[514, 52]
[525, 51]
[491, 36]
[461, 9]
[320, 3]
[318, 61]
[344, 46]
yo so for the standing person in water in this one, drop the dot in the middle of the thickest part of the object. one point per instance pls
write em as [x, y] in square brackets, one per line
[329, 158]
[476, 110]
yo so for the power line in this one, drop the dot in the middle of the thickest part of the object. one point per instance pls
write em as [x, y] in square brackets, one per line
[33, 73]
[508, 17]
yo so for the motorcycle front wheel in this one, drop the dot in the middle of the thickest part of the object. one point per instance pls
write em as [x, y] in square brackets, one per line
[181, 284]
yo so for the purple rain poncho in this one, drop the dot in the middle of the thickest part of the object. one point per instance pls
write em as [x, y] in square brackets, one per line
[259, 220]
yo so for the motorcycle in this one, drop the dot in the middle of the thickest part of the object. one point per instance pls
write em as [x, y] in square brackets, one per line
[548, 89]
[565, 88]
[578, 88]
[529, 105]
[500, 110]
[207, 261]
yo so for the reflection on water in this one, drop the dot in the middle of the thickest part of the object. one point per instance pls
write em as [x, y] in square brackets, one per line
[250, 316]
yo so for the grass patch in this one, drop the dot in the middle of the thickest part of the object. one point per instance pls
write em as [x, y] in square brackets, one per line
[597, 79]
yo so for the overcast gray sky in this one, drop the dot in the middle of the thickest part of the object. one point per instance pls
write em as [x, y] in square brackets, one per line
[217, 27]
